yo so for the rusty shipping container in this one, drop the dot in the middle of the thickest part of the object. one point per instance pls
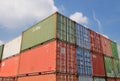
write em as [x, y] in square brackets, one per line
[98, 64]
[95, 43]
[9, 67]
[111, 79]
[55, 26]
[49, 57]
[82, 36]
[49, 77]
[106, 46]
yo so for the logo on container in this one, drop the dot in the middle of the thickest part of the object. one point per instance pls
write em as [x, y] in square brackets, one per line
[36, 28]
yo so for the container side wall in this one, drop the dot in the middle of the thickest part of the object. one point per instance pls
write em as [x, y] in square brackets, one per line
[98, 64]
[82, 36]
[12, 47]
[39, 33]
[84, 65]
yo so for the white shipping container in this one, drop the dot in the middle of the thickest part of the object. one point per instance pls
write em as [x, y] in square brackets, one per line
[118, 50]
[85, 78]
[12, 47]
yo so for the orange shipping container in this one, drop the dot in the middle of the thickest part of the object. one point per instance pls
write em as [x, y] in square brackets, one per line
[49, 77]
[106, 46]
[9, 67]
[49, 57]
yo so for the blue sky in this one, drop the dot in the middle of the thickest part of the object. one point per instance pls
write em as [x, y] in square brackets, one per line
[102, 16]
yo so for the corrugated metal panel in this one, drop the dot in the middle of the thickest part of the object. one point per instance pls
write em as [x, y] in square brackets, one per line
[95, 43]
[85, 78]
[106, 46]
[116, 67]
[99, 79]
[71, 31]
[55, 26]
[39, 33]
[49, 57]
[118, 47]
[8, 79]
[84, 64]
[61, 27]
[82, 36]
[12, 47]
[9, 67]
[49, 77]
[114, 50]
[71, 59]
[98, 60]
[110, 79]
[1, 51]
[109, 67]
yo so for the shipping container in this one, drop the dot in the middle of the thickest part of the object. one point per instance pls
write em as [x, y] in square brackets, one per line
[8, 79]
[116, 67]
[1, 51]
[98, 64]
[9, 67]
[85, 78]
[117, 79]
[109, 67]
[12, 47]
[49, 77]
[111, 79]
[49, 57]
[106, 46]
[95, 43]
[99, 79]
[84, 64]
[55, 26]
[114, 50]
[118, 47]
[71, 59]
[82, 36]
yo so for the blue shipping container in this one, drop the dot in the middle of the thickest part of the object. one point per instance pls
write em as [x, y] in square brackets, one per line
[82, 36]
[84, 63]
[85, 78]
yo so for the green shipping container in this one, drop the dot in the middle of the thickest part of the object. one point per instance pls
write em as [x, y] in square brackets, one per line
[99, 79]
[1, 51]
[114, 50]
[55, 26]
[109, 67]
[116, 67]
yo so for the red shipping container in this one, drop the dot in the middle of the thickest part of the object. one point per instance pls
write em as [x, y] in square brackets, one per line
[71, 59]
[95, 43]
[118, 79]
[98, 64]
[49, 77]
[111, 79]
[106, 46]
[49, 57]
[9, 67]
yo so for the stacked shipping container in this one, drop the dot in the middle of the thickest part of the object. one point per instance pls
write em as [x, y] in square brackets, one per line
[59, 49]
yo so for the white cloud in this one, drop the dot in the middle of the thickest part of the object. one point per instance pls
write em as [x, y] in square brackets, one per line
[1, 42]
[98, 22]
[79, 17]
[16, 13]
[61, 9]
